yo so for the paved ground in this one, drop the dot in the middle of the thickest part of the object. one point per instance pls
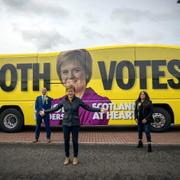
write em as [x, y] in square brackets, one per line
[25, 161]
[107, 153]
[119, 135]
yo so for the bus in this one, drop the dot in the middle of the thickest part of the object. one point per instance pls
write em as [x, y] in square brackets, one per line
[110, 77]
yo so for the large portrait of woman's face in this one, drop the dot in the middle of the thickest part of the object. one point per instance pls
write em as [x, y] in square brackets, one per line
[74, 68]
[72, 73]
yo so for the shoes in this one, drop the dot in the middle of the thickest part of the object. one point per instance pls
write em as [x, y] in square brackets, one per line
[48, 141]
[149, 148]
[35, 141]
[67, 161]
[140, 144]
[75, 161]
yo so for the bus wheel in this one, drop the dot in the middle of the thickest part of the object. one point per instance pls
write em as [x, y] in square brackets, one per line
[161, 120]
[11, 120]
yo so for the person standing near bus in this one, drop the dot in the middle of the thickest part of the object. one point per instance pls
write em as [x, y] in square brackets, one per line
[42, 102]
[71, 120]
[75, 68]
[143, 114]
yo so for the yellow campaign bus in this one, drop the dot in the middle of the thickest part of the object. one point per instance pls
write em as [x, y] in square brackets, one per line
[109, 77]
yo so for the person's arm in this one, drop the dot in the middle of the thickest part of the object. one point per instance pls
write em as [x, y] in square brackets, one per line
[136, 111]
[49, 102]
[85, 106]
[59, 106]
[37, 105]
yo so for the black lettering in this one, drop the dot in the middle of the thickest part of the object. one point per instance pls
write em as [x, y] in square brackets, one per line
[24, 75]
[131, 75]
[142, 72]
[45, 75]
[175, 72]
[107, 80]
[13, 82]
[156, 74]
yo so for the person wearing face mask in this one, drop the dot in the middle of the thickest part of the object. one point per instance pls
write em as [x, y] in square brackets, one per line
[75, 68]
[71, 121]
[42, 102]
[143, 115]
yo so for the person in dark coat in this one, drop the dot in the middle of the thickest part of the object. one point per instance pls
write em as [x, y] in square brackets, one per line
[42, 102]
[74, 68]
[143, 115]
[71, 120]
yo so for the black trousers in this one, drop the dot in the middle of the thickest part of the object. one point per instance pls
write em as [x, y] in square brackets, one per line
[38, 126]
[146, 128]
[75, 133]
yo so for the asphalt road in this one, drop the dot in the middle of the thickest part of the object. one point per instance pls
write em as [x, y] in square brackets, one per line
[25, 161]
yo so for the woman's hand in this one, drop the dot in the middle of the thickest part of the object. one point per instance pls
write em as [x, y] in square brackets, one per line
[144, 121]
[42, 113]
[136, 121]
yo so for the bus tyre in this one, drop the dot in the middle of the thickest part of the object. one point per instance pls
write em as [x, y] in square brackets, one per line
[161, 120]
[11, 120]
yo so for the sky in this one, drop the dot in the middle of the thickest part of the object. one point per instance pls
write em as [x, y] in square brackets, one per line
[35, 26]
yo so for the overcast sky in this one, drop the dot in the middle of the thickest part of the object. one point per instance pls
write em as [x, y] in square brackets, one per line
[30, 26]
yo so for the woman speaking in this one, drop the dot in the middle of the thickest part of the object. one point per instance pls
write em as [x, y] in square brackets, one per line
[71, 120]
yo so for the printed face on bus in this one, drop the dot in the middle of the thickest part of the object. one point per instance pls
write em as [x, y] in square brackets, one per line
[73, 74]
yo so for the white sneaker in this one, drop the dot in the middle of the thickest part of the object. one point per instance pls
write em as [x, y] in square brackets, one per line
[66, 161]
[75, 161]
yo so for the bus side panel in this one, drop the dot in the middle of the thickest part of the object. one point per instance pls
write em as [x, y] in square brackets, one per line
[27, 108]
[159, 74]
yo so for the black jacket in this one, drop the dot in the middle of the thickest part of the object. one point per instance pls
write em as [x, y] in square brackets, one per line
[143, 110]
[71, 110]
